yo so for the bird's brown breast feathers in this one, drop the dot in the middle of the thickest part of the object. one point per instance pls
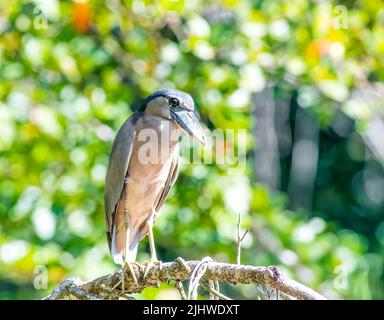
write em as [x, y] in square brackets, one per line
[145, 181]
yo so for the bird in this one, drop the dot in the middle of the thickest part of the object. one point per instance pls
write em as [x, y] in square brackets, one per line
[143, 167]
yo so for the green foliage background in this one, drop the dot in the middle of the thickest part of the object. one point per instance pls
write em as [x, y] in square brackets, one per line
[72, 72]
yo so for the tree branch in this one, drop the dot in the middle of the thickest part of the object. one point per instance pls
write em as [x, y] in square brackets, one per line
[109, 286]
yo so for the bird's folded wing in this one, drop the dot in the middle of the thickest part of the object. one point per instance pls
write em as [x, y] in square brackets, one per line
[117, 169]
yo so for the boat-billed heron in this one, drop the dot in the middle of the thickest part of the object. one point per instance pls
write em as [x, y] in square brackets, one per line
[143, 166]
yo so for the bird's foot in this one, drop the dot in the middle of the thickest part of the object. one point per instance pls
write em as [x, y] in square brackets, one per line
[128, 266]
[150, 264]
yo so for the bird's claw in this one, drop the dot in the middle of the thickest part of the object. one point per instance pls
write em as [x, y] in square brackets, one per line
[128, 265]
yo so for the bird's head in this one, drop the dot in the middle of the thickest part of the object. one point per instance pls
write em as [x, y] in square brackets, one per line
[177, 106]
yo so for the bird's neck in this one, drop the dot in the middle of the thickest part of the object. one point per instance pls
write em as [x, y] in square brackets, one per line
[166, 131]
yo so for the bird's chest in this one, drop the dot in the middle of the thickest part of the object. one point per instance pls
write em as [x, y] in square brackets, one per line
[152, 154]
[154, 146]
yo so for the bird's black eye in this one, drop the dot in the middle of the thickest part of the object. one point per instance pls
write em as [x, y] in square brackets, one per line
[173, 102]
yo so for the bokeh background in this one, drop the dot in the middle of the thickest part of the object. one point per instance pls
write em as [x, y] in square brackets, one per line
[304, 78]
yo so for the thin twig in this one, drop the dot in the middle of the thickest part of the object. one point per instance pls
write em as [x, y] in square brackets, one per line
[217, 287]
[240, 239]
[183, 264]
[211, 286]
[180, 288]
[215, 292]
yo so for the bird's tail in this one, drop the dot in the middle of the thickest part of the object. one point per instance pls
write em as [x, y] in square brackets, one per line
[124, 241]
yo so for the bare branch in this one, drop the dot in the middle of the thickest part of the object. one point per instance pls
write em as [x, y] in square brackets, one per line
[215, 292]
[101, 288]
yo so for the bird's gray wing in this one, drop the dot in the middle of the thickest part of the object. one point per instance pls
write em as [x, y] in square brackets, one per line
[174, 170]
[117, 170]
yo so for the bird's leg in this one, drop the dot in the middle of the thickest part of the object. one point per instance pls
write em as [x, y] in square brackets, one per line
[128, 264]
[152, 248]
[151, 239]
